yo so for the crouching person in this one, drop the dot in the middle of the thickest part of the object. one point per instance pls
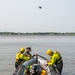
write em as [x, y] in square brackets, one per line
[20, 58]
[56, 59]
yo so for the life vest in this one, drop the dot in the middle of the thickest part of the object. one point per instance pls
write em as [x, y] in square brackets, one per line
[18, 59]
[59, 59]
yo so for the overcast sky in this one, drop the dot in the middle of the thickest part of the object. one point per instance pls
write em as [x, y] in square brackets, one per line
[25, 16]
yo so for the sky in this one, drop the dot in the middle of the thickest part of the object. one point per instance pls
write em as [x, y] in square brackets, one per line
[25, 16]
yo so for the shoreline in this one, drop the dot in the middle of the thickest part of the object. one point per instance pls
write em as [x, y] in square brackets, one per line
[38, 33]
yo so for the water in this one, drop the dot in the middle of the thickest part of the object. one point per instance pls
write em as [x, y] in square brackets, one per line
[10, 45]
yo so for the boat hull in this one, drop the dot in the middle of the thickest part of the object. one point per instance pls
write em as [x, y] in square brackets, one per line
[51, 70]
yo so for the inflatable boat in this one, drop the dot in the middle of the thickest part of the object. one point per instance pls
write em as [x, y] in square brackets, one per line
[39, 61]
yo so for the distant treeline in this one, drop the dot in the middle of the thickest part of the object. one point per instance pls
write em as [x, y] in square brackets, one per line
[36, 33]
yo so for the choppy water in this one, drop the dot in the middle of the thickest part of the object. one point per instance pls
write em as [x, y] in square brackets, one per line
[10, 45]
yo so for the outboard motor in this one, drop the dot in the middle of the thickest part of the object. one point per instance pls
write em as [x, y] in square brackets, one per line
[35, 70]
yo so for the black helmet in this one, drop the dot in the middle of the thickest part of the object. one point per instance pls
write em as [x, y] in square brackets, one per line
[36, 69]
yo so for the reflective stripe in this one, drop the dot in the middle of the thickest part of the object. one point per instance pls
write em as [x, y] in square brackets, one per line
[58, 61]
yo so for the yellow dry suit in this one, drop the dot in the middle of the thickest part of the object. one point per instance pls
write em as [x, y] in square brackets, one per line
[21, 57]
[55, 59]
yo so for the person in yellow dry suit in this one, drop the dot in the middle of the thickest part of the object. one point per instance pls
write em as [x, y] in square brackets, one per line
[56, 59]
[20, 57]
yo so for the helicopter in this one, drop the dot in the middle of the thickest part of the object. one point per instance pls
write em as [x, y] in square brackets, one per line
[40, 7]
